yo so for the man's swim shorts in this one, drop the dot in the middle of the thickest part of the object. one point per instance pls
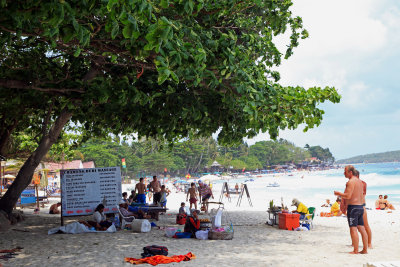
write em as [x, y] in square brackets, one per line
[355, 215]
[141, 198]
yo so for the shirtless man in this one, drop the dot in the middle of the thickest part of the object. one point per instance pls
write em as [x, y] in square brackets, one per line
[192, 193]
[141, 191]
[205, 193]
[365, 218]
[355, 210]
[54, 208]
[155, 187]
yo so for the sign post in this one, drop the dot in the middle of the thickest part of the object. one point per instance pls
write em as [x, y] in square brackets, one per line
[83, 189]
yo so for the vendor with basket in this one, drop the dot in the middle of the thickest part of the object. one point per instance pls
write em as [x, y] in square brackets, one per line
[205, 193]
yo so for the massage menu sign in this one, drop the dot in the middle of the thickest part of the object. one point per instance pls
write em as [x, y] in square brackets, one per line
[84, 189]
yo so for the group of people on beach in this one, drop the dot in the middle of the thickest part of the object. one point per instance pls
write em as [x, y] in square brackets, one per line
[353, 206]
[155, 190]
[203, 191]
[383, 204]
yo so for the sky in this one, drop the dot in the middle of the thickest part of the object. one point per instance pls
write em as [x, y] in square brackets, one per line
[353, 46]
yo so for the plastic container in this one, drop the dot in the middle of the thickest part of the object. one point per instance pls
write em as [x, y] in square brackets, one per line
[116, 220]
[183, 235]
[288, 221]
[170, 232]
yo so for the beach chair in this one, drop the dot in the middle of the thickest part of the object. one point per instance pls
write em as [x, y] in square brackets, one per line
[125, 220]
[308, 219]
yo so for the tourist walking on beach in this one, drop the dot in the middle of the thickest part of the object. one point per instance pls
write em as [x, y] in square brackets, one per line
[192, 195]
[141, 191]
[164, 194]
[205, 193]
[155, 187]
[355, 209]
[365, 217]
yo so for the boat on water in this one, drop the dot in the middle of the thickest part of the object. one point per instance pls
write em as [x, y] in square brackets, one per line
[274, 184]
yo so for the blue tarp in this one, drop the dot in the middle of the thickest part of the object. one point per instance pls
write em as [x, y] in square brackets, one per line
[28, 196]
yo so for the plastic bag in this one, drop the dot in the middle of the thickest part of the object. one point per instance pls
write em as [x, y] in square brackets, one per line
[216, 220]
[170, 232]
[141, 226]
[203, 235]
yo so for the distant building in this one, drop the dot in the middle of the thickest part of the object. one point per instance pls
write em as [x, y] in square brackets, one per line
[53, 169]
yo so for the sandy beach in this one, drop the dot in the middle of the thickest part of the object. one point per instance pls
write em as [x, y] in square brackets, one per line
[254, 243]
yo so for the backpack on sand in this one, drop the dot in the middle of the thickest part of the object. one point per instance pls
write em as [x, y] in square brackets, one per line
[154, 250]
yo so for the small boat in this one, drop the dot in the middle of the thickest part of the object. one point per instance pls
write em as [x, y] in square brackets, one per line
[274, 184]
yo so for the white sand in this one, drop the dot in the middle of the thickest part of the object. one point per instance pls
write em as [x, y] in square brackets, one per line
[254, 243]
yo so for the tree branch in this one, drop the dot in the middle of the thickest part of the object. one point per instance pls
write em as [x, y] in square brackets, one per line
[16, 84]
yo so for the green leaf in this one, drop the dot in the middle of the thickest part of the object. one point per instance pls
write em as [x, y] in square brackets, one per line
[174, 77]
[115, 30]
[127, 31]
[77, 52]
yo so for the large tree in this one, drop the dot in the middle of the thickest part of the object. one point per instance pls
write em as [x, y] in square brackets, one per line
[159, 68]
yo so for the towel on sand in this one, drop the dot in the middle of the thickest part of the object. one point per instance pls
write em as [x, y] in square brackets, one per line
[78, 228]
[160, 259]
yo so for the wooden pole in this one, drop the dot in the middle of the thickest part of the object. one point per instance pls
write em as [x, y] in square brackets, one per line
[1, 181]
[37, 197]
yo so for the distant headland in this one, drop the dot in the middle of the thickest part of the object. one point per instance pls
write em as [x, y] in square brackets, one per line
[390, 156]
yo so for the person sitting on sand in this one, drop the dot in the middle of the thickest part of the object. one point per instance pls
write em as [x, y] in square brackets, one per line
[192, 224]
[327, 204]
[132, 197]
[123, 207]
[301, 208]
[100, 218]
[182, 208]
[335, 209]
[125, 197]
[377, 202]
[387, 203]
[54, 208]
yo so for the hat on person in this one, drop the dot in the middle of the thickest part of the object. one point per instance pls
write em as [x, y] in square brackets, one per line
[200, 181]
[295, 202]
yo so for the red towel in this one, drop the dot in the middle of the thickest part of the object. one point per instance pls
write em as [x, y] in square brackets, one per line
[160, 259]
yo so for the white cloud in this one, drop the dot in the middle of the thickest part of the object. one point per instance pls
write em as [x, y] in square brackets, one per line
[350, 46]
[342, 34]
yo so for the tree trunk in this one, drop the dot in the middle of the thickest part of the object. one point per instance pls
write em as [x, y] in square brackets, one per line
[24, 177]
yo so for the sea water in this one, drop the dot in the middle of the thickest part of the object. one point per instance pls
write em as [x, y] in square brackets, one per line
[313, 188]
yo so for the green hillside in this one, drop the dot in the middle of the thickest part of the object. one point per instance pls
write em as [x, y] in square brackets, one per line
[390, 156]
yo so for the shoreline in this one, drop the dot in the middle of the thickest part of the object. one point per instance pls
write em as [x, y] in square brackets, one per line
[254, 243]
